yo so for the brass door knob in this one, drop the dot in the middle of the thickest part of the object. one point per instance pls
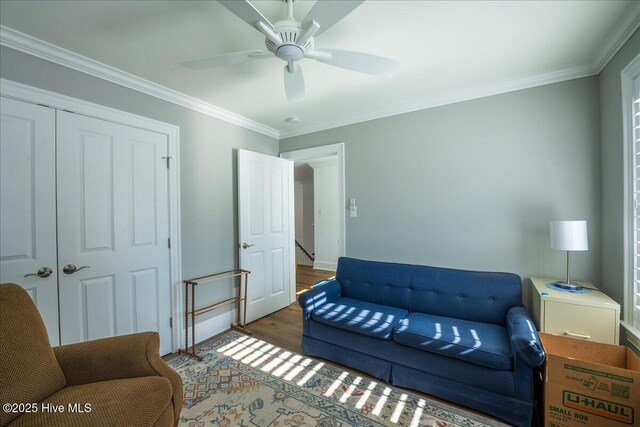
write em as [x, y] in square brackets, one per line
[42, 273]
[70, 268]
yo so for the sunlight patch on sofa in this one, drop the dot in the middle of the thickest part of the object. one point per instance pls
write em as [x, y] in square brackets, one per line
[477, 342]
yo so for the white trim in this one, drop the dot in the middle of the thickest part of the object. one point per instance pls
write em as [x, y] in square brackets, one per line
[617, 37]
[213, 326]
[628, 74]
[24, 43]
[315, 153]
[293, 280]
[40, 96]
[633, 335]
[329, 266]
[466, 94]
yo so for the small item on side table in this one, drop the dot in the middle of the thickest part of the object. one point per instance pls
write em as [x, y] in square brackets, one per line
[191, 311]
[576, 288]
[590, 315]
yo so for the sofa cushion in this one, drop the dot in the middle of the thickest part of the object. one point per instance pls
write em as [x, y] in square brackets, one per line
[482, 343]
[384, 283]
[470, 295]
[365, 318]
[472, 374]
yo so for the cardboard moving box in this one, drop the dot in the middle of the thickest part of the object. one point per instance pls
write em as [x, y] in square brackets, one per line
[588, 384]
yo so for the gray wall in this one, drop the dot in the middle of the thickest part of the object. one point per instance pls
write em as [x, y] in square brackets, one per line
[612, 169]
[207, 155]
[208, 149]
[474, 185]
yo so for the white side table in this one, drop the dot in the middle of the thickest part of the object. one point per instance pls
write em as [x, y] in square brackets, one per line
[591, 316]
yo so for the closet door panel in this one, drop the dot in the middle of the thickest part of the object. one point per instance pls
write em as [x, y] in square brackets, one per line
[28, 205]
[113, 218]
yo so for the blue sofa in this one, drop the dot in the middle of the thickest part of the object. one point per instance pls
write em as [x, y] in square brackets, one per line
[463, 336]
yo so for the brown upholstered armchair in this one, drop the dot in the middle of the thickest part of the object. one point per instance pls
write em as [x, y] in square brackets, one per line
[123, 378]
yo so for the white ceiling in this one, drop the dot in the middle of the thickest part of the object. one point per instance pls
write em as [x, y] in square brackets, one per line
[446, 47]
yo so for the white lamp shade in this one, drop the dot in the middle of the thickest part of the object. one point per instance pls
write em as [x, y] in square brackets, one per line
[569, 235]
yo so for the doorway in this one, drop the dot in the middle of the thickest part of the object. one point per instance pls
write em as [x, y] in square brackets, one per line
[321, 173]
[304, 214]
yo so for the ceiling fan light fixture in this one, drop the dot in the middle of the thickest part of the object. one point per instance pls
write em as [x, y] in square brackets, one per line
[291, 40]
[289, 52]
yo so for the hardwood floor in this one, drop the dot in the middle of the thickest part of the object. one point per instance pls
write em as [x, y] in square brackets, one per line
[284, 327]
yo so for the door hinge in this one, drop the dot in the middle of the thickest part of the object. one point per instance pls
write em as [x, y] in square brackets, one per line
[167, 158]
[169, 243]
[171, 322]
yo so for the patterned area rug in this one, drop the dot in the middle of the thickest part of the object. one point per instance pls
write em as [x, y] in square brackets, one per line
[245, 382]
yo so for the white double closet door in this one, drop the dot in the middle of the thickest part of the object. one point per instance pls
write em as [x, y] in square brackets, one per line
[87, 199]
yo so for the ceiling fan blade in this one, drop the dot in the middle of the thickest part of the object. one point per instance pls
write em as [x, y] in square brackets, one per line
[361, 62]
[246, 11]
[219, 60]
[328, 13]
[262, 55]
[293, 82]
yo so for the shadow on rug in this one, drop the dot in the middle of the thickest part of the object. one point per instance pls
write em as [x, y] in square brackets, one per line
[246, 382]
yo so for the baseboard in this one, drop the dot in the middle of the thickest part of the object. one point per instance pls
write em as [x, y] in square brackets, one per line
[211, 327]
[319, 265]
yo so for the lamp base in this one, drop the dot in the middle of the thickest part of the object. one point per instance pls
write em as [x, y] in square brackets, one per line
[570, 286]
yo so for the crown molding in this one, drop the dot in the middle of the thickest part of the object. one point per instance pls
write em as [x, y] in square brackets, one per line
[617, 37]
[466, 94]
[24, 43]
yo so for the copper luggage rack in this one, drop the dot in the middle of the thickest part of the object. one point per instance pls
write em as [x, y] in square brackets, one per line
[193, 312]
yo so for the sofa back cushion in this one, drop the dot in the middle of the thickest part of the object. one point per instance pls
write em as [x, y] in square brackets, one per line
[469, 295]
[383, 283]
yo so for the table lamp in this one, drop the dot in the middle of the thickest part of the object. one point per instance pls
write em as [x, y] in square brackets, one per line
[569, 236]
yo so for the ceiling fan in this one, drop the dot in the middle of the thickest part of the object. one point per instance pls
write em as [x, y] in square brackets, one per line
[292, 40]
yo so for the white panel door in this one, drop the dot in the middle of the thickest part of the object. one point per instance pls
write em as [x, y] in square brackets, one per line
[113, 230]
[28, 205]
[264, 223]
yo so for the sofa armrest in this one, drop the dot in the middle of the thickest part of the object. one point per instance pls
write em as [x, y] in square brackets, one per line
[321, 293]
[524, 337]
[125, 356]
